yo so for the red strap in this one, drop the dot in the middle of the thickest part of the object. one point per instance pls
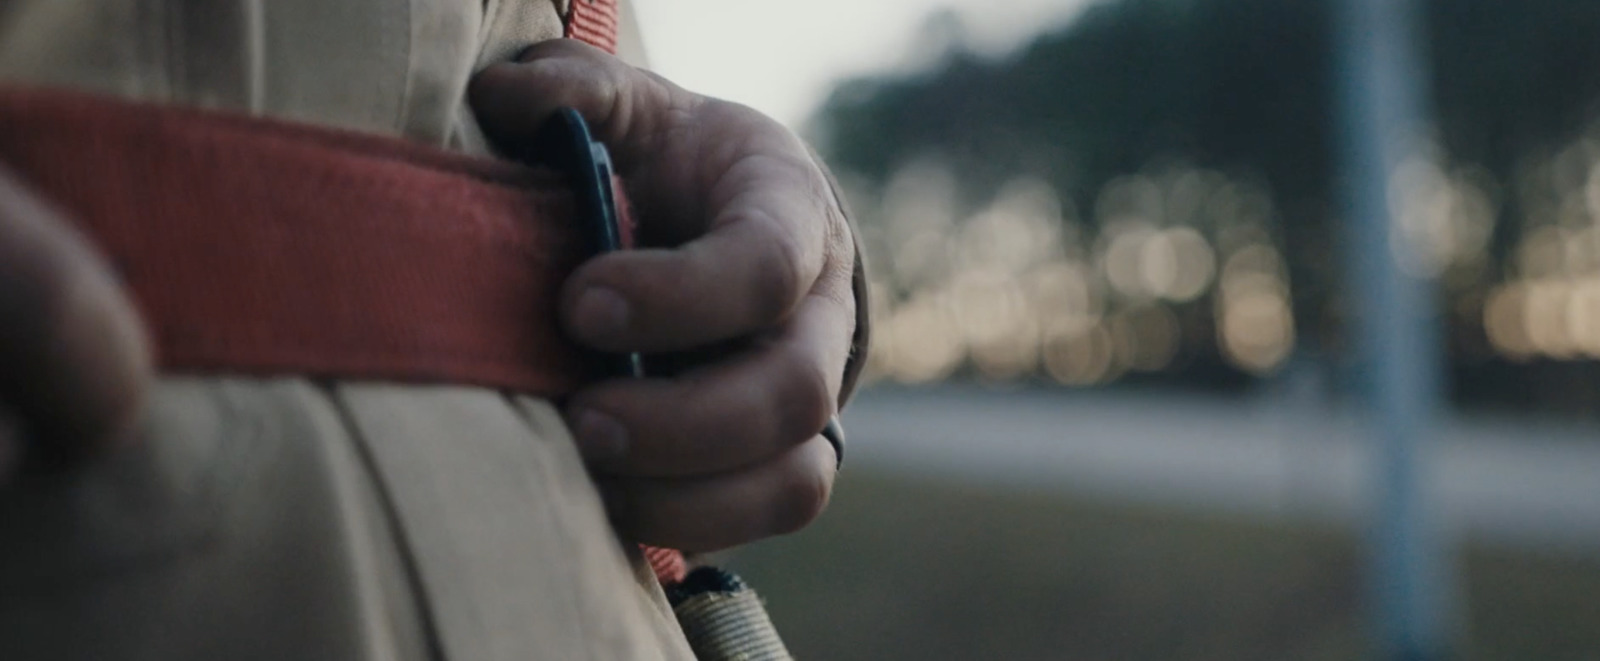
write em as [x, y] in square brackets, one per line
[669, 565]
[594, 22]
[255, 246]
[261, 247]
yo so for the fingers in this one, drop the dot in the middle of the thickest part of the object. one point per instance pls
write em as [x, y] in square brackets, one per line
[699, 515]
[743, 244]
[75, 355]
[628, 109]
[728, 415]
[752, 218]
[748, 273]
[672, 147]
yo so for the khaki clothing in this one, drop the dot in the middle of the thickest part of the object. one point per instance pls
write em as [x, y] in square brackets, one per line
[295, 519]
[394, 67]
[285, 519]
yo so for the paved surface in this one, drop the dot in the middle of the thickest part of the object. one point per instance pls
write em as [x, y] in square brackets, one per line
[1521, 482]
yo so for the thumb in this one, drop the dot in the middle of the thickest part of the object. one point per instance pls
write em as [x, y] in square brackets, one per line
[76, 362]
[628, 109]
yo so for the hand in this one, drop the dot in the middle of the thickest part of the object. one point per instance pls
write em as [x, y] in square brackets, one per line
[744, 244]
[75, 362]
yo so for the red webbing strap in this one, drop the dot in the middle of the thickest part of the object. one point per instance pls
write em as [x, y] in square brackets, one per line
[594, 22]
[259, 247]
[669, 565]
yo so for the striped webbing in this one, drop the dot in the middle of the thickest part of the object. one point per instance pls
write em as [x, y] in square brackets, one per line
[594, 22]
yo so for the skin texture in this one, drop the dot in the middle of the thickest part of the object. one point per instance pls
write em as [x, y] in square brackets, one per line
[76, 363]
[745, 265]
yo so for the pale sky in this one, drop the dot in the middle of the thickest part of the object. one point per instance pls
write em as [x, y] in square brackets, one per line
[783, 57]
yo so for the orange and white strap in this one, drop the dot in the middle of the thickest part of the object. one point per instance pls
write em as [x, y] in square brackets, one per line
[594, 22]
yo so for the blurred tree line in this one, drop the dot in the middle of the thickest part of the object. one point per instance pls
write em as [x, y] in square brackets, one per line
[1246, 87]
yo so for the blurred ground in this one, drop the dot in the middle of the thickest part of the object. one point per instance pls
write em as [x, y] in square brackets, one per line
[902, 568]
[1105, 539]
[1288, 453]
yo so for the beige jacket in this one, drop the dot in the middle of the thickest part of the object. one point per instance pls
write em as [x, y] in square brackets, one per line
[288, 518]
[396, 67]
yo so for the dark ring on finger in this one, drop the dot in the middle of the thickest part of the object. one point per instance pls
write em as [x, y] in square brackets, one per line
[834, 432]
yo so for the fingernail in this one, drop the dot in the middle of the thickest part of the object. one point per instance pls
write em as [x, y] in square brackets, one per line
[601, 437]
[601, 312]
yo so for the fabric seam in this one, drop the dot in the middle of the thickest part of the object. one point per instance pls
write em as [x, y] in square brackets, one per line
[404, 547]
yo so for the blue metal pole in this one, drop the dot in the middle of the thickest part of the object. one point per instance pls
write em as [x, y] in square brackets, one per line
[1398, 357]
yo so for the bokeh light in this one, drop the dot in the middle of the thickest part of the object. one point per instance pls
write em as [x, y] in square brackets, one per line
[1019, 288]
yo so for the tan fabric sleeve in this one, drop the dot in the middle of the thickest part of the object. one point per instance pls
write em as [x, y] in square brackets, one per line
[392, 67]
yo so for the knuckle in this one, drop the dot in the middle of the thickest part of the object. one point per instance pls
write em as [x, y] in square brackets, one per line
[777, 280]
[841, 237]
[839, 271]
[613, 102]
[809, 403]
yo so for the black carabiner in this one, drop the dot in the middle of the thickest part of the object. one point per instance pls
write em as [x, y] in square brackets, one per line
[565, 143]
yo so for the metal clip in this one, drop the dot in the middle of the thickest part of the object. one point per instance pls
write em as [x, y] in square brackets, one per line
[565, 143]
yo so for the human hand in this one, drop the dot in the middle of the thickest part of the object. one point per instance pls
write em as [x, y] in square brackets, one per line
[743, 244]
[76, 366]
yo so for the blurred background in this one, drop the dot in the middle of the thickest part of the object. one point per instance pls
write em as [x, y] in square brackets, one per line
[1114, 408]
